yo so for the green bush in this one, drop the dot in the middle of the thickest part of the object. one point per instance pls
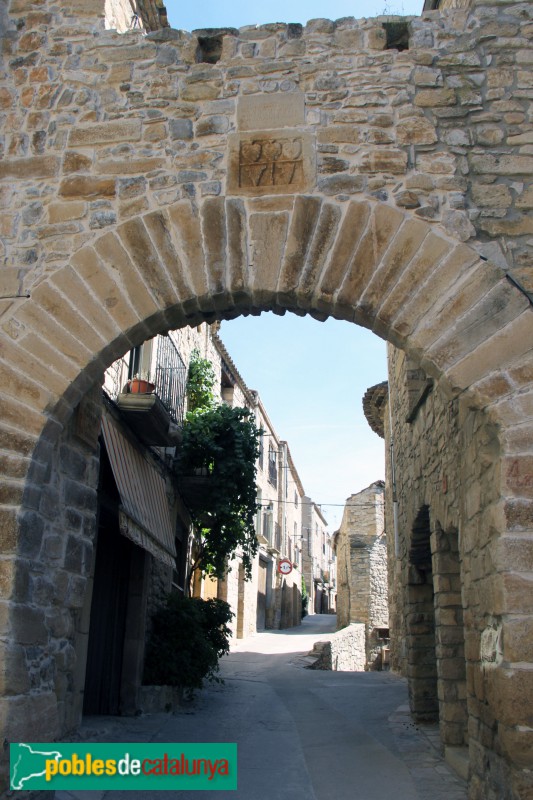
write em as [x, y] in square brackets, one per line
[188, 637]
[222, 443]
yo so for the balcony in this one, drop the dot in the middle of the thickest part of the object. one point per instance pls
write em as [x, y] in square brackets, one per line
[275, 540]
[155, 412]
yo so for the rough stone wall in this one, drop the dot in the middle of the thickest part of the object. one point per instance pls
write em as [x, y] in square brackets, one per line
[362, 567]
[379, 602]
[100, 129]
[446, 460]
[58, 533]
[345, 651]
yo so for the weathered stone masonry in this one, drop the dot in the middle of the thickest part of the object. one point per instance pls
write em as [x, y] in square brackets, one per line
[145, 190]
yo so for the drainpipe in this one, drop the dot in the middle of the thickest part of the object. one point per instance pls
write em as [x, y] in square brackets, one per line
[393, 480]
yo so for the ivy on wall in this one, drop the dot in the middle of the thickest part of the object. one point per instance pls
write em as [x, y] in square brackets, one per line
[218, 457]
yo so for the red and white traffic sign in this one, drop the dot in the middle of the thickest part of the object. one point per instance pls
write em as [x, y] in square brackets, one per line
[284, 566]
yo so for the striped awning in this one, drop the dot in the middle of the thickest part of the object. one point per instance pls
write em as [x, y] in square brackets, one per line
[144, 515]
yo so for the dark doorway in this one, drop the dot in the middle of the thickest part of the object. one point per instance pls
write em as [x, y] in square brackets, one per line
[109, 602]
[261, 595]
[423, 695]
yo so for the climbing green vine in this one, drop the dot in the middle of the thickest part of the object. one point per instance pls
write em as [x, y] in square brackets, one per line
[220, 446]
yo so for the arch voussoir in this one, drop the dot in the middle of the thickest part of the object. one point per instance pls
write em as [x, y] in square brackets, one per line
[101, 280]
[381, 228]
[123, 272]
[403, 248]
[349, 235]
[448, 272]
[186, 234]
[322, 243]
[238, 250]
[304, 220]
[138, 245]
[499, 307]
[268, 237]
[431, 252]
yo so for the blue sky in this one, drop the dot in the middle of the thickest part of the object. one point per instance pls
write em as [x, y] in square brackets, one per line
[312, 377]
[216, 14]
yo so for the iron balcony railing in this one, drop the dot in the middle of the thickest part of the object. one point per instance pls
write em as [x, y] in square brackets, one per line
[170, 377]
[168, 374]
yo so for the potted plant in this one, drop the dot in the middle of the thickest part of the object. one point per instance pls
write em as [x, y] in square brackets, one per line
[141, 384]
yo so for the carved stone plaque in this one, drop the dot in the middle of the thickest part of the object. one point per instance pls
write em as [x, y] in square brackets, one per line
[270, 163]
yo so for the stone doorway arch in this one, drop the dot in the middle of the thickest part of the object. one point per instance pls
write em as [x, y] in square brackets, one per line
[146, 276]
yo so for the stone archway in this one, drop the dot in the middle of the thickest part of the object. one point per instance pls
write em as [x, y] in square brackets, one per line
[135, 271]
[123, 221]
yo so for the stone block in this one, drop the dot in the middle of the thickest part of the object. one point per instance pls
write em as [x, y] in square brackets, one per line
[382, 160]
[28, 625]
[517, 593]
[339, 134]
[14, 678]
[76, 162]
[509, 692]
[501, 164]
[180, 129]
[383, 226]
[260, 112]
[353, 227]
[493, 195]
[30, 718]
[518, 226]
[87, 187]
[525, 199]
[33, 168]
[185, 229]
[105, 133]
[268, 233]
[213, 125]
[64, 212]
[303, 223]
[145, 257]
[435, 98]
[404, 247]
[518, 512]
[433, 249]
[518, 640]
[341, 184]
[416, 130]
[193, 92]
[160, 229]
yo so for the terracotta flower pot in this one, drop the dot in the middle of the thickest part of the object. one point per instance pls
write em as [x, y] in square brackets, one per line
[141, 386]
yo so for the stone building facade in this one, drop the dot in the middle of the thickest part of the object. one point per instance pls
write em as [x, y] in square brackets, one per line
[366, 170]
[361, 550]
[318, 560]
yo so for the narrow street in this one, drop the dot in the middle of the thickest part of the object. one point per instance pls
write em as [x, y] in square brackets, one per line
[302, 734]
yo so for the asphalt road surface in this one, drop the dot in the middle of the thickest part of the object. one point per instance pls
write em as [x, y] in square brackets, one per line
[302, 734]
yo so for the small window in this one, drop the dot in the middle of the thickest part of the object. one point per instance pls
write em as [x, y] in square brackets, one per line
[261, 446]
[209, 49]
[397, 34]
[272, 465]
